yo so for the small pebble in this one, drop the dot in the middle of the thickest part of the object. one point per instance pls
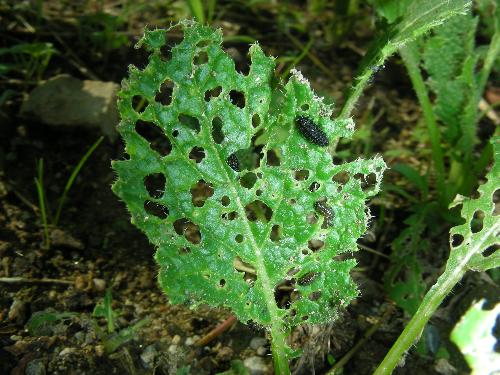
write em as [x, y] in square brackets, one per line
[172, 349]
[35, 367]
[192, 340]
[224, 354]
[262, 351]
[66, 351]
[176, 340]
[148, 357]
[99, 284]
[257, 342]
[255, 366]
[17, 312]
[99, 350]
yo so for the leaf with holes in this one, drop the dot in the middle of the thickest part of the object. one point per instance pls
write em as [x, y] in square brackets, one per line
[245, 211]
[475, 243]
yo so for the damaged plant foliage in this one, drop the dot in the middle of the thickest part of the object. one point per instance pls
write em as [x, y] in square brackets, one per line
[229, 191]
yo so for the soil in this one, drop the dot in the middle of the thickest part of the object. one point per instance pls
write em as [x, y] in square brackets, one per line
[95, 248]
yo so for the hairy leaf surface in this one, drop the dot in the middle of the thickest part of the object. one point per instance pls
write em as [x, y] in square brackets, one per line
[239, 236]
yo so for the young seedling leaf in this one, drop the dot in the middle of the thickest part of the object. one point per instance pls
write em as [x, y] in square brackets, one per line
[241, 238]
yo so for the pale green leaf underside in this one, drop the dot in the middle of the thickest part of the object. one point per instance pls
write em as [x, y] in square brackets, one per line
[231, 240]
[474, 336]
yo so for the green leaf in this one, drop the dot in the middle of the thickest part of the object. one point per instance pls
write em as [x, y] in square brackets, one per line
[40, 322]
[233, 238]
[473, 335]
[452, 78]
[114, 341]
[475, 243]
[105, 310]
[419, 17]
[392, 9]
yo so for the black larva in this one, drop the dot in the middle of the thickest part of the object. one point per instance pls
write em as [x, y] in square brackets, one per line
[311, 131]
[233, 162]
[325, 210]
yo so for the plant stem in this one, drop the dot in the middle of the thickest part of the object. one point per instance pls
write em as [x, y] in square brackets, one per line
[411, 59]
[72, 178]
[278, 345]
[414, 329]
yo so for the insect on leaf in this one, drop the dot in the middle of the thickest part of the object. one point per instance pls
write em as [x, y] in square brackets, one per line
[240, 231]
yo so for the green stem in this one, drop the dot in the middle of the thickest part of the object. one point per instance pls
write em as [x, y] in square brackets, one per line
[491, 55]
[411, 59]
[355, 92]
[72, 178]
[414, 329]
[278, 345]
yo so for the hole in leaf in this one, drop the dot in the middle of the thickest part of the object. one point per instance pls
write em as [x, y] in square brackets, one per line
[307, 279]
[214, 93]
[156, 209]
[301, 175]
[239, 238]
[197, 154]
[200, 192]
[217, 133]
[229, 215]
[184, 250]
[258, 210]
[201, 58]
[272, 159]
[233, 162]
[341, 178]
[456, 240]
[190, 230]
[139, 103]
[255, 120]
[314, 296]
[237, 98]
[222, 282]
[203, 43]
[175, 133]
[258, 192]
[315, 245]
[164, 96]
[225, 201]
[491, 250]
[305, 317]
[248, 180]
[314, 186]
[304, 107]
[190, 122]
[275, 235]
[476, 224]
[311, 218]
[293, 201]
[158, 141]
[155, 184]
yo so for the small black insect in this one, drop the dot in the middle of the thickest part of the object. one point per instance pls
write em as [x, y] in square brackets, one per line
[325, 210]
[233, 162]
[311, 131]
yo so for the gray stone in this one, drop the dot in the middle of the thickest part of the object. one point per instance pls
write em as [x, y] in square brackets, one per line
[67, 101]
[255, 366]
[35, 367]
[257, 342]
[148, 357]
